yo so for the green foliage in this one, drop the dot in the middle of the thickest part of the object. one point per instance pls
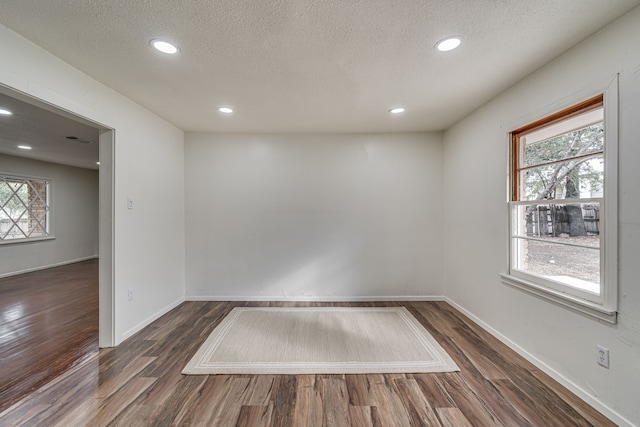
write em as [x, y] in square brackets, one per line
[549, 181]
[589, 140]
[13, 197]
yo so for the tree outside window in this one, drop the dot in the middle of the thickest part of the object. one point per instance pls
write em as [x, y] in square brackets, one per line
[557, 194]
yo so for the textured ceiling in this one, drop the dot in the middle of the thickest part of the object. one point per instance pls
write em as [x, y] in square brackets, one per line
[309, 65]
[46, 132]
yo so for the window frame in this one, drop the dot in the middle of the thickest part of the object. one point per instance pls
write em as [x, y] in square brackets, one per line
[603, 306]
[49, 203]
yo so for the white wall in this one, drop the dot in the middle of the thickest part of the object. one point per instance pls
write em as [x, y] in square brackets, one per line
[313, 216]
[475, 186]
[149, 240]
[74, 218]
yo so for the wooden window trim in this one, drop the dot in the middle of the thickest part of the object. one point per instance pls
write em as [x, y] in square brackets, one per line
[516, 157]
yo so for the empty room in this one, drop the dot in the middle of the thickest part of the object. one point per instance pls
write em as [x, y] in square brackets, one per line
[312, 213]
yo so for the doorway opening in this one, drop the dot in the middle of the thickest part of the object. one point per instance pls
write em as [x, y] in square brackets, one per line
[76, 154]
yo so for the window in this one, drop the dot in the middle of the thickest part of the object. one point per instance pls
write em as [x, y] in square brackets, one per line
[558, 234]
[24, 208]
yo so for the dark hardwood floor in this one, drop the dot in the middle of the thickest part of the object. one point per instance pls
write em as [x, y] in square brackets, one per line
[48, 324]
[139, 384]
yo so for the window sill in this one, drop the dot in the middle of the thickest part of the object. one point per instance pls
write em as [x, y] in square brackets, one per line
[24, 241]
[586, 307]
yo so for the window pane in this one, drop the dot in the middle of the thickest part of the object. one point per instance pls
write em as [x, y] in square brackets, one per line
[577, 224]
[570, 265]
[576, 143]
[557, 173]
[38, 209]
[573, 179]
[11, 195]
[24, 208]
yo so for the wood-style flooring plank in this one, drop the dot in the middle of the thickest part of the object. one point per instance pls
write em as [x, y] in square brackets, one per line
[231, 405]
[209, 398]
[284, 400]
[259, 391]
[470, 379]
[134, 415]
[335, 398]
[185, 392]
[308, 409]
[48, 325]
[139, 383]
[358, 387]
[416, 405]
[453, 417]
[592, 416]
[360, 416]
[255, 416]
[535, 414]
[114, 405]
[114, 382]
[477, 410]
[434, 394]
[388, 404]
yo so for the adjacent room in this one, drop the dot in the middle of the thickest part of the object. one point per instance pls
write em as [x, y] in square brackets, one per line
[319, 213]
[49, 200]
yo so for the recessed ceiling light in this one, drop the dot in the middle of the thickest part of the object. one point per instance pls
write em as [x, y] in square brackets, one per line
[225, 110]
[4, 112]
[448, 43]
[164, 47]
[396, 110]
[24, 147]
[97, 163]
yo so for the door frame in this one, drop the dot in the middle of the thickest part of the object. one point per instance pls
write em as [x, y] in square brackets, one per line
[106, 239]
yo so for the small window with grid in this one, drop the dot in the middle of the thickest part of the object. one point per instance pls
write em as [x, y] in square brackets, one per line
[24, 208]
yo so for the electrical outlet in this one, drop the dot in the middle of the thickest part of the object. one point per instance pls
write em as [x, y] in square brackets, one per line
[130, 294]
[129, 203]
[603, 356]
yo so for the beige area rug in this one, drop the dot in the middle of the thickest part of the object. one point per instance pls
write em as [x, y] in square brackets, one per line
[319, 340]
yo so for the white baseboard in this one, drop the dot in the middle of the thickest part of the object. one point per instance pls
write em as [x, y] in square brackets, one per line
[573, 387]
[44, 267]
[146, 322]
[307, 298]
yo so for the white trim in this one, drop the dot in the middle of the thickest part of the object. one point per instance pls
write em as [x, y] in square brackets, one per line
[26, 240]
[106, 241]
[604, 307]
[146, 322]
[37, 96]
[559, 288]
[44, 267]
[555, 242]
[567, 300]
[609, 214]
[314, 298]
[583, 201]
[5, 174]
[564, 381]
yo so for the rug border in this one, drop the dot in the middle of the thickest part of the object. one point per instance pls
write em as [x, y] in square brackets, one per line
[442, 361]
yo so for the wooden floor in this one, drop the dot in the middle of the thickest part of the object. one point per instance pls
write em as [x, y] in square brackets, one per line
[48, 324]
[139, 384]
